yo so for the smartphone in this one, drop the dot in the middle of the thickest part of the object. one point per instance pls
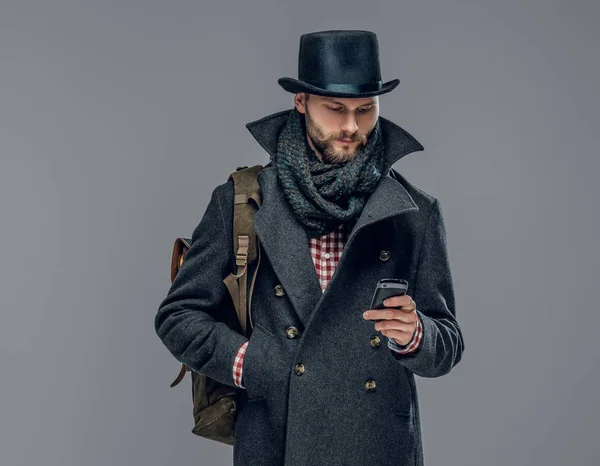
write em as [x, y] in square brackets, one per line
[387, 287]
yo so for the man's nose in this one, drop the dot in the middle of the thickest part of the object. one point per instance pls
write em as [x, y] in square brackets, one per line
[349, 126]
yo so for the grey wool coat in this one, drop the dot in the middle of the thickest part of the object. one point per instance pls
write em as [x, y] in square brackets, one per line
[355, 403]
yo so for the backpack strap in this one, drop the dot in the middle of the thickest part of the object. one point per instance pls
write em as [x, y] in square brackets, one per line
[245, 246]
[245, 241]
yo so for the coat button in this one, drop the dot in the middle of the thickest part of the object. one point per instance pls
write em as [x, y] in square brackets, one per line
[370, 385]
[292, 332]
[384, 255]
[279, 290]
[299, 369]
[375, 340]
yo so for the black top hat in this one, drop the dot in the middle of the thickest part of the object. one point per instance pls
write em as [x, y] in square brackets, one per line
[339, 63]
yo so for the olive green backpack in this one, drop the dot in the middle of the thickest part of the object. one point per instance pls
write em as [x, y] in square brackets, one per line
[215, 403]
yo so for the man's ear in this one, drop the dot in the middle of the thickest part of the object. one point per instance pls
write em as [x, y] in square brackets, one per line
[300, 102]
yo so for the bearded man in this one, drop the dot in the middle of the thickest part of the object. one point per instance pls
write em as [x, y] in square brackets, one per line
[325, 379]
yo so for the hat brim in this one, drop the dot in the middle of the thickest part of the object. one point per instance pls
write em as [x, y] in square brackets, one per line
[293, 85]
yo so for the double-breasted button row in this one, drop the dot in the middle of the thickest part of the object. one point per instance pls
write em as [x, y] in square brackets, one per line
[375, 341]
[279, 291]
[369, 384]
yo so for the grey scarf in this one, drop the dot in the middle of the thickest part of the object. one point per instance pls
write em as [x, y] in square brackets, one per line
[324, 195]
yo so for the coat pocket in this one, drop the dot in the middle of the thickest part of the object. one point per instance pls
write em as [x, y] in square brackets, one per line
[255, 365]
[406, 410]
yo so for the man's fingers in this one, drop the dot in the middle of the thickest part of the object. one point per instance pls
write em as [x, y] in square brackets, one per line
[387, 314]
[388, 326]
[399, 301]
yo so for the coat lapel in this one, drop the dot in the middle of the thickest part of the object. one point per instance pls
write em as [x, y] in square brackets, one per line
[285, 242]
[284, 239]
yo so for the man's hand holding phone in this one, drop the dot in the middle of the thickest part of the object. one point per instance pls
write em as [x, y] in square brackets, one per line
[395, 315]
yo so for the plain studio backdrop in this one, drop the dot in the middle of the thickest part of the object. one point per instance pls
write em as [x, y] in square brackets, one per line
[118, 119]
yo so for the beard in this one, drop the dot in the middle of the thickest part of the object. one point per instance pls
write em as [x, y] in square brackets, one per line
[325, 145]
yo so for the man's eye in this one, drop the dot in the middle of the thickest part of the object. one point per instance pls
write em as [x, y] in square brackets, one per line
[339, 109]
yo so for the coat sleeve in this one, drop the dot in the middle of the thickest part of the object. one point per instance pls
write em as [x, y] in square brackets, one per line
[442, 343]
[187, 320]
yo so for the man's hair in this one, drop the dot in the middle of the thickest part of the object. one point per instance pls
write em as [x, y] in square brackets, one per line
[306, 96]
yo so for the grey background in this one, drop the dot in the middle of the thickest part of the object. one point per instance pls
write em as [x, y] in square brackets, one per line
[118, 118]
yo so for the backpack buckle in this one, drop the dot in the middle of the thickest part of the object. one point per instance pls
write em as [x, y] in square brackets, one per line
[242, 252]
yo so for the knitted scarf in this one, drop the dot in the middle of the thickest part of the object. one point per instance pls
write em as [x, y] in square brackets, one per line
[324, 195]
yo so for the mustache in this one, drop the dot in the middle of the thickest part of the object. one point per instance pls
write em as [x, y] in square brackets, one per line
[353, 138]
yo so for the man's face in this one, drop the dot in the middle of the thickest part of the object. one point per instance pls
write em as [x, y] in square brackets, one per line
[329, 120]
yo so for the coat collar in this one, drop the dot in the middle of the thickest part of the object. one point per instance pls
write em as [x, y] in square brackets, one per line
[284, 239]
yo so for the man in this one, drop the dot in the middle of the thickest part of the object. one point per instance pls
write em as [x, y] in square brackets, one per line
[320, 386]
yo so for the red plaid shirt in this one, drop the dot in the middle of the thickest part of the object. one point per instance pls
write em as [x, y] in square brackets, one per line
[326, 252]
